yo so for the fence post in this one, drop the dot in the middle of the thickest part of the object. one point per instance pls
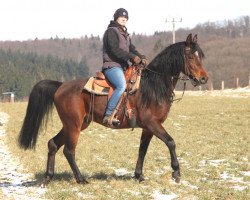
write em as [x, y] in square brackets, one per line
[222, 85]
[12, 97]
[249, 82]
[211, 87]
[237, 82]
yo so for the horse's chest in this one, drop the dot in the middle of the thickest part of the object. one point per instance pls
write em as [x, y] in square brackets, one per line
[159, 112]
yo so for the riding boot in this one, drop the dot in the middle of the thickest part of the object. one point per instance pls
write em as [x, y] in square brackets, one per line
[115, 122]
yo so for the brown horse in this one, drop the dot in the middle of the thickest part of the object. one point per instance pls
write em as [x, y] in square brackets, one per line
[151, 104]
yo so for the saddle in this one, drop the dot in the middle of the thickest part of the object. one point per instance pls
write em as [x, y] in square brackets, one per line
[99, 85]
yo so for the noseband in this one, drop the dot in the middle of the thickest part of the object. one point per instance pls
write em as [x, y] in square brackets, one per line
[187, 56]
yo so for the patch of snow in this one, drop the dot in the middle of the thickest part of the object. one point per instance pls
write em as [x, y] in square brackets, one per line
[239, 188]
[187, 184]
[133, 192]
[2, 132]
[235, 93]
[247, 173]
[214, 163]
[102, 136]
[121, 172]
[14, 184]
[224, 175]
[85, 196]
[4, 118]
[234, 179]
[245, 158]
[158, 196]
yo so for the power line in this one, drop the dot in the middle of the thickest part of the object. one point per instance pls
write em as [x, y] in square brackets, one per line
[173, 20]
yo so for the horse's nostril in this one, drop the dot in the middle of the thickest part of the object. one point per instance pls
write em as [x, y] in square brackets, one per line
[203, 80]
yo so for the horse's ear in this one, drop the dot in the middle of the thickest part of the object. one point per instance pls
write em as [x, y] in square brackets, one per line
[195, 38]
[189, 40]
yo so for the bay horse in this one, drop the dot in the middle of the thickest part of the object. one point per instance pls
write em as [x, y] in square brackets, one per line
[151, 104]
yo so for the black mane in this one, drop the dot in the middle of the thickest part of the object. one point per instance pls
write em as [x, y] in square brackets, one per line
[158, 87]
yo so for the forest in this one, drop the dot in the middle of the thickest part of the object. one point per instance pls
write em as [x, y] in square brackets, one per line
[226, 45]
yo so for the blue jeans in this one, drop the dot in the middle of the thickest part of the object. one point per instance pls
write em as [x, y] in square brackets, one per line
[116, 77]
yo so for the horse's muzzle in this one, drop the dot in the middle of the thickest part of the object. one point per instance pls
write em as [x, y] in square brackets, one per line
[203, 80]
[196, 82]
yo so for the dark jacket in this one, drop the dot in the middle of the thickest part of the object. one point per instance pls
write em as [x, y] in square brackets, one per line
[117, 47]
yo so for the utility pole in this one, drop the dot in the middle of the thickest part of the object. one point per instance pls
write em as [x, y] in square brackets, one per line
[173, 22]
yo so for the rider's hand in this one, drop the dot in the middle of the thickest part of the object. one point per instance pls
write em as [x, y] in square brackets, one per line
[137, 60]
[144, 61]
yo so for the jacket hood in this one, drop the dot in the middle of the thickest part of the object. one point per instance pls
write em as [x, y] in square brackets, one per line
[115, 24]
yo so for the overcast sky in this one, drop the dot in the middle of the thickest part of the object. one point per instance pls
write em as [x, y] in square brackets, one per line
[42, 19]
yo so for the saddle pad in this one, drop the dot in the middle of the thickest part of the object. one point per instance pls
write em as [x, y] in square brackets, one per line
[94, 88]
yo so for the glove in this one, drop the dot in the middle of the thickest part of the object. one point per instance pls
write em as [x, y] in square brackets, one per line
[144, 62]
[136, 60]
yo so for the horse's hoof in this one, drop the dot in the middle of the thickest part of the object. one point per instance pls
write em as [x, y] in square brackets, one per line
[176, 176]
[45, 182]
[43, 185]
[177, 179]
[139, 177]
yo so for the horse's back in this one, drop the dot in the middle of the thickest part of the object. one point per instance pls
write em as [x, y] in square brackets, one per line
[70, 92]
[71, 87]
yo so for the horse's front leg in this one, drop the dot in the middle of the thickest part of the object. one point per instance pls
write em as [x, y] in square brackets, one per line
[161, 133]
[145, 140]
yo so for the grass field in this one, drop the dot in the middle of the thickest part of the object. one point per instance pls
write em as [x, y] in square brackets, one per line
[212, 138]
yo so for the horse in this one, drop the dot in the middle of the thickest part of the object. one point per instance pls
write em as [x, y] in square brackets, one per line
[76, 108]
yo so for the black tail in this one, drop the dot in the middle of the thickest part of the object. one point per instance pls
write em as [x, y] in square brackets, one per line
[40, 104]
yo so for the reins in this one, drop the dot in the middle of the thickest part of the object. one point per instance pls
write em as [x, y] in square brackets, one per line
[182, 78]
[184, 88]
[155, 72]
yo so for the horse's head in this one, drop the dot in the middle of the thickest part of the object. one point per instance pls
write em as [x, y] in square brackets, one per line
[193, 62]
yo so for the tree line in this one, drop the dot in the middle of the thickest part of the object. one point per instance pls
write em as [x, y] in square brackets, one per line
[226, 45]
[19, 71]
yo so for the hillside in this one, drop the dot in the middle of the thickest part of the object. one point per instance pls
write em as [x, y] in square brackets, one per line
[226, 46]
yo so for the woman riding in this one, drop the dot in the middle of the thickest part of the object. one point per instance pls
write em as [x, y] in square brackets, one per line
[118, 53]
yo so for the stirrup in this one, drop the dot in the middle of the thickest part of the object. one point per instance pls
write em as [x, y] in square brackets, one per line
[110, 122]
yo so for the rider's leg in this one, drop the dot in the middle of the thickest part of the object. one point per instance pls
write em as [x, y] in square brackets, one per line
[116, 77]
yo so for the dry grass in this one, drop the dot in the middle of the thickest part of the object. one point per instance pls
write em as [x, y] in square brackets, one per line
[212, 137]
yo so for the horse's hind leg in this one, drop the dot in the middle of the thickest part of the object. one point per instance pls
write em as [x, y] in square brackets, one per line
[69, 152]
[145, 140]
[54, 145]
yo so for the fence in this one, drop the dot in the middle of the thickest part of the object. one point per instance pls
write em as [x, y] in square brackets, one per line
[8, 97]
[237, 84]
[232, 83]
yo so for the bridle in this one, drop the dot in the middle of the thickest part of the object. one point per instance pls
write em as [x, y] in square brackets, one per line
[187, 55]
[187, 74]
[186, 69]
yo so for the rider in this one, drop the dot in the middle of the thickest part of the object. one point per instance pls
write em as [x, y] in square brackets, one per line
[118, 52]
